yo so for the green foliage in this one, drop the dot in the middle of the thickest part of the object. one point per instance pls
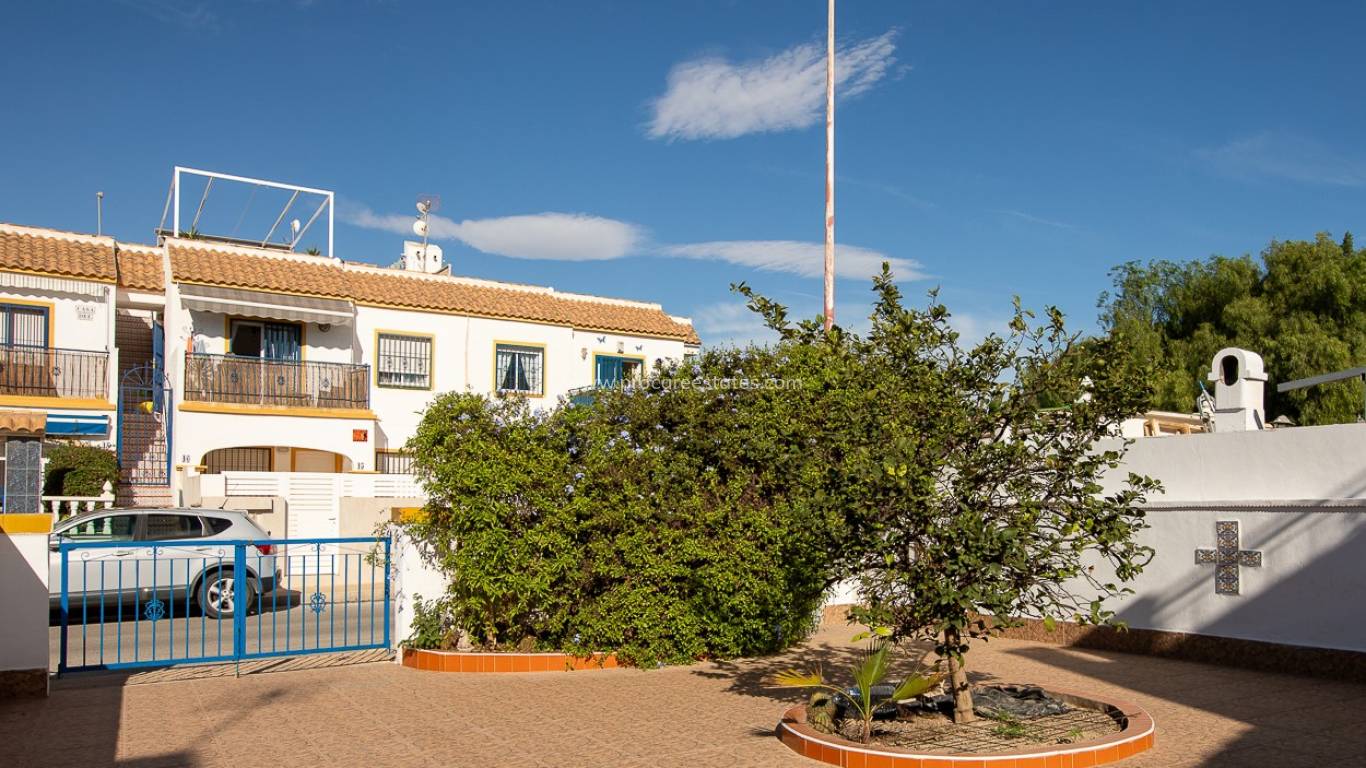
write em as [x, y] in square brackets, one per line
[871, 670]
[75, 469]
[1301, 306]
[697, 517]
[432, 628]
[667, 522]
[965, 497]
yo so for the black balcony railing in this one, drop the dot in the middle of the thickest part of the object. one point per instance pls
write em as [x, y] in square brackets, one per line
[280, 383]
[48, 372]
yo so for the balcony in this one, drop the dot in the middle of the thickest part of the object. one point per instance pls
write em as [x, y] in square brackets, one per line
[254, 381]
[49, 372]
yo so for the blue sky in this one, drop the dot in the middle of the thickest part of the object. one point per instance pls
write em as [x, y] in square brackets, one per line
[662, 151]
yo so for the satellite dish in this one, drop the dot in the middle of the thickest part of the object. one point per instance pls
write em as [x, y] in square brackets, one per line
[295, 226]
[428, 204]
[420, 228]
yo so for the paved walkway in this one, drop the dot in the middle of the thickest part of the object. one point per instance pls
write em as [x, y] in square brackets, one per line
[298, 713]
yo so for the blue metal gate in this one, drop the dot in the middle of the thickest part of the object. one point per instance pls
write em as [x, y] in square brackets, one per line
[144, 429]
[153, 603]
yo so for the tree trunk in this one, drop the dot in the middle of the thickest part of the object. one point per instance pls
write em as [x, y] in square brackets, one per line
[958, 681]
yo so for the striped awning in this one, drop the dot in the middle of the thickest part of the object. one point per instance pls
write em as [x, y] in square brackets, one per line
[271, 306]
[58, 284]
[22, 422]
[77, 424]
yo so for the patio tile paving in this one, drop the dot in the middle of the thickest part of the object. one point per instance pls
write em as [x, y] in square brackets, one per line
[711, 714]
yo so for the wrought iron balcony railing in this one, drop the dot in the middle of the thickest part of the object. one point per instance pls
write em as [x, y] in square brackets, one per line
[49, 372]
[281, 383]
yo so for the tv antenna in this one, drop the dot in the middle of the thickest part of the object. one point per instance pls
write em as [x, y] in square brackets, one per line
[426, 206]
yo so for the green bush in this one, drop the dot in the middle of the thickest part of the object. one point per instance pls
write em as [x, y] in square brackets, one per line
[705, 513]
[74, 469]
[432, 628]
[668, 523]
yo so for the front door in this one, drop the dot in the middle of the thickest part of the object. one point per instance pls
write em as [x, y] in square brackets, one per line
[246, 339]
[612, 370]
[314, 461]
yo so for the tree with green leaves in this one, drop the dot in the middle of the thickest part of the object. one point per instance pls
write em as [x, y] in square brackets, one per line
[976, 506]
[1301, 306]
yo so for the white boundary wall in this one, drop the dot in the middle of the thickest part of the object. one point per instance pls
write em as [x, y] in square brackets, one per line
[1299, 498]
[23, 602]
[410, 578]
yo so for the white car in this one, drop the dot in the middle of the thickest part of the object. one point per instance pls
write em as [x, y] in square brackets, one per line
[186, 565]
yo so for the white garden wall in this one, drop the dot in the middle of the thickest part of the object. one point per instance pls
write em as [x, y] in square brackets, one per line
[1299, 498]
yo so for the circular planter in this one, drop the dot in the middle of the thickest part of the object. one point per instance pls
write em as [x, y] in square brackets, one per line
[1135, 736]
[469, 661]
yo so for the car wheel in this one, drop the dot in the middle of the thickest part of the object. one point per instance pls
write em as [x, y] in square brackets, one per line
[221, 595]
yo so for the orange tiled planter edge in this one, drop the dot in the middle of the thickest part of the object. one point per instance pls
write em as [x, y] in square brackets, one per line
[1136, 737]
[463, 661]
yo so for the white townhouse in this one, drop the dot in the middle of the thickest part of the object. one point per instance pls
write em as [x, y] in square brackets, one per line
[58, 362]
[295, 376]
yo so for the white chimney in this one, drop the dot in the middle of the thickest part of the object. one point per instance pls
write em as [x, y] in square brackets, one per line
[422, 258]
[1239, 383]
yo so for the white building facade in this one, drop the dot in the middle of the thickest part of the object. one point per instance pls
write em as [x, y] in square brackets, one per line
[259, 360]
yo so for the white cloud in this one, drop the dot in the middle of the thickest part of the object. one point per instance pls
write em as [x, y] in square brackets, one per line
[581, 237]
[1022, 216]
[731, 323]
[1287, 156]
[194, 16]
[551, 236]
[712, 98]
[973, 329]
[799, 258]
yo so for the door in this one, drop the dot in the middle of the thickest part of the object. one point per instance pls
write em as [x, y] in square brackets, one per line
[612, 370]
[175, 564]
[246, 339]
[608, 371]
[93, 572]
[305, 460]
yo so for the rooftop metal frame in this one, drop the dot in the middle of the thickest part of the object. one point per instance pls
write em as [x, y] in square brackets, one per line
[172, 208]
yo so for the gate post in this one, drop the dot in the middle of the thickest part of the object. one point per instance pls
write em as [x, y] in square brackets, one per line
[388, 607]
[66, 607]
[240, 604]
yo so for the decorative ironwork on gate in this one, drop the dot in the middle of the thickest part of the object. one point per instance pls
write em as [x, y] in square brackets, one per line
[144, 435]
[130, 604]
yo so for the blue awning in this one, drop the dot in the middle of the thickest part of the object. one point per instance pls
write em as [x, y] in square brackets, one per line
[77, 424]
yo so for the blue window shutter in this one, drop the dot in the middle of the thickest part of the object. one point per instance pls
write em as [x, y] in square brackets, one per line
[282, 342]
[609, 371]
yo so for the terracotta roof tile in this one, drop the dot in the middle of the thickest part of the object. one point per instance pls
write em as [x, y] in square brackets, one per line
[207, 265]
[140, 268]
[25, 249]
[317, 276]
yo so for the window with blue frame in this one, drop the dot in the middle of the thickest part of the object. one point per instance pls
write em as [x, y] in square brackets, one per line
[611, 370]
[519, 368]
[22, 325]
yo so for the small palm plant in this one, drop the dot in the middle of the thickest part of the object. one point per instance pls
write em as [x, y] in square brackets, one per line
[871, 671]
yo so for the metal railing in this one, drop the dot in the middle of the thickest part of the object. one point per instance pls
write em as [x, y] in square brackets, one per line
[127, 604]
[51, 372]
[283, 383]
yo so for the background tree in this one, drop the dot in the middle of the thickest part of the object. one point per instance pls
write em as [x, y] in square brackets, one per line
[1301, 306]
[972, 500]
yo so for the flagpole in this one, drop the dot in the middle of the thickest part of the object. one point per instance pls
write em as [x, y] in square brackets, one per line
[830, 170]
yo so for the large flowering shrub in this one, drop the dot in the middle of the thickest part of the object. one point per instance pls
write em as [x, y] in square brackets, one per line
[705, 513]
[679, 519]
